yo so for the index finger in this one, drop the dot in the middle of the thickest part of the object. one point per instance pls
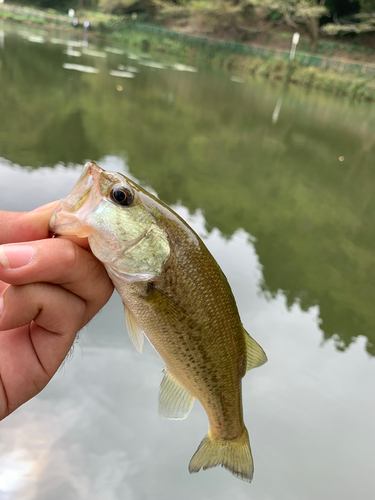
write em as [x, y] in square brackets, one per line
[18, 227]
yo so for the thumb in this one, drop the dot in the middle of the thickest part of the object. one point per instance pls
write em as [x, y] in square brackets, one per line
[26, 226]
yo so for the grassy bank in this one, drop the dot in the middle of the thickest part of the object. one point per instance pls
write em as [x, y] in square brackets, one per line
[31, 15]
[50, 17]
[353, 85]
[233, 57]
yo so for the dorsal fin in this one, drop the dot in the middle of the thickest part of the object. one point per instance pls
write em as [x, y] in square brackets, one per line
[255, 356]
[175, 402]
[135, 333]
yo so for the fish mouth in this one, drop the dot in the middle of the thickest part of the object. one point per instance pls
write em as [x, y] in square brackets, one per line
[69, 216]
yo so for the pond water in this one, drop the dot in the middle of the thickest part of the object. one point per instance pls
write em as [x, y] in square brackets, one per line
[286, 205]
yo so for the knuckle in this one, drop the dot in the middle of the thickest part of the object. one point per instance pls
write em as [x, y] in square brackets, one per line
[80, 308]
[97, 272]
[71, 253]
[99, 280]
[30, 291]
[64, 324]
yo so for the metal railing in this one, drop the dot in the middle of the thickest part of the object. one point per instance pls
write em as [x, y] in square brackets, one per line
[303, 58]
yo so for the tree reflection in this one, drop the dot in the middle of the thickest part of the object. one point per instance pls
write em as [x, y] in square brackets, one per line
[209, 143]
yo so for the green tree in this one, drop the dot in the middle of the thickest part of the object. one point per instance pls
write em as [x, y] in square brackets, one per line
[61, 5]
[214, 149]
[296, 12]
[363, 22]
[236, 15]
[367, 6]
[210, 15]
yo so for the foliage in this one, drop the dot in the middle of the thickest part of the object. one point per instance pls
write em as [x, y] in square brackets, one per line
[221, 14]
[293, 11]
[111, 5]
[329, 81]
[20, 13]
[99, 20]
[366, 26]
[219, 55]
[274, 68]
[234, 17]
[21, 17]
[367, 5]
[213, 148]
[363, 22]
[61, 5]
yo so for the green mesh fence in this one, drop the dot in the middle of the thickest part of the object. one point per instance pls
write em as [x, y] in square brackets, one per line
[205, 42]
[239, 48]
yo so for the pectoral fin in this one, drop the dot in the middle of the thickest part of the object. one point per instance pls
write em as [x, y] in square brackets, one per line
[135, 333]
[255, 356]
[175, 402]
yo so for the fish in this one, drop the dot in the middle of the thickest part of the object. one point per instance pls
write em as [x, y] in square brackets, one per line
[174, 293]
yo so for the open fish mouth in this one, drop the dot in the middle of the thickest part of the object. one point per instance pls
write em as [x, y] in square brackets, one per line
[70, 215]
[175, 293]
[89, 211]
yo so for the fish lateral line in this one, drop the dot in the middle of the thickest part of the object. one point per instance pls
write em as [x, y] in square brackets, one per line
[174, 293]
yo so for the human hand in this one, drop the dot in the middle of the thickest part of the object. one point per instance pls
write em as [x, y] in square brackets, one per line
[49, 289]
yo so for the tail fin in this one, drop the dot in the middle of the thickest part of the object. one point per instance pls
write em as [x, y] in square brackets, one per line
[234, 456]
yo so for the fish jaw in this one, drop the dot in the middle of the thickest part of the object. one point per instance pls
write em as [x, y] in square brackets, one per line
[126, 239]
[76, 213]
[70, 216]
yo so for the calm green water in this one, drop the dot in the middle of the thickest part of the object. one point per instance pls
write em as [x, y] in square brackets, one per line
[292, 227]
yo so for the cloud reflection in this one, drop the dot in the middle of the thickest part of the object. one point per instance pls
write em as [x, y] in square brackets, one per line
[94, 432]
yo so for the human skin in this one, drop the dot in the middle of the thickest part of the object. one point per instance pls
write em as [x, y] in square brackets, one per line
[49, 289]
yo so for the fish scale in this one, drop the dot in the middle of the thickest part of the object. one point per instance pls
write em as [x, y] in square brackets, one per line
[174, 293]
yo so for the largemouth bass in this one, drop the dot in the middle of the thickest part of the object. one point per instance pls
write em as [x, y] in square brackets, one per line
[175, 294]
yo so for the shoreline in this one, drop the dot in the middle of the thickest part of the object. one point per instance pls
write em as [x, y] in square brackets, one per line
[341, 77]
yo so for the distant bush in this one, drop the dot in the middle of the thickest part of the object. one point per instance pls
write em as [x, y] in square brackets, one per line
[275, 67]
[114, 6]
[253, 64]
[304, 76]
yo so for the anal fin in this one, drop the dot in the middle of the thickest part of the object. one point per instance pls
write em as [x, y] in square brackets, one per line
[135, 333]
[175, 402]
[255, 356]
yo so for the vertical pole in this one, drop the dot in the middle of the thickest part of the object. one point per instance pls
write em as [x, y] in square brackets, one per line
[295, 41]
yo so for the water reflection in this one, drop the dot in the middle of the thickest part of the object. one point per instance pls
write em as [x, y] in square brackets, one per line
[215, 150]
[206, 146]
[94, 433]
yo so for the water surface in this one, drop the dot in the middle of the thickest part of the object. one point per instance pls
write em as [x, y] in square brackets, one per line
[286, 209]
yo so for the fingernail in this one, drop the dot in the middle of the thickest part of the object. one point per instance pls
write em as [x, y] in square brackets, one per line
[43, 207]
[1, 306]
[14, 256]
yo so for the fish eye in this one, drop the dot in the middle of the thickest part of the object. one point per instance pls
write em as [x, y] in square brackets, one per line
[121, 196]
